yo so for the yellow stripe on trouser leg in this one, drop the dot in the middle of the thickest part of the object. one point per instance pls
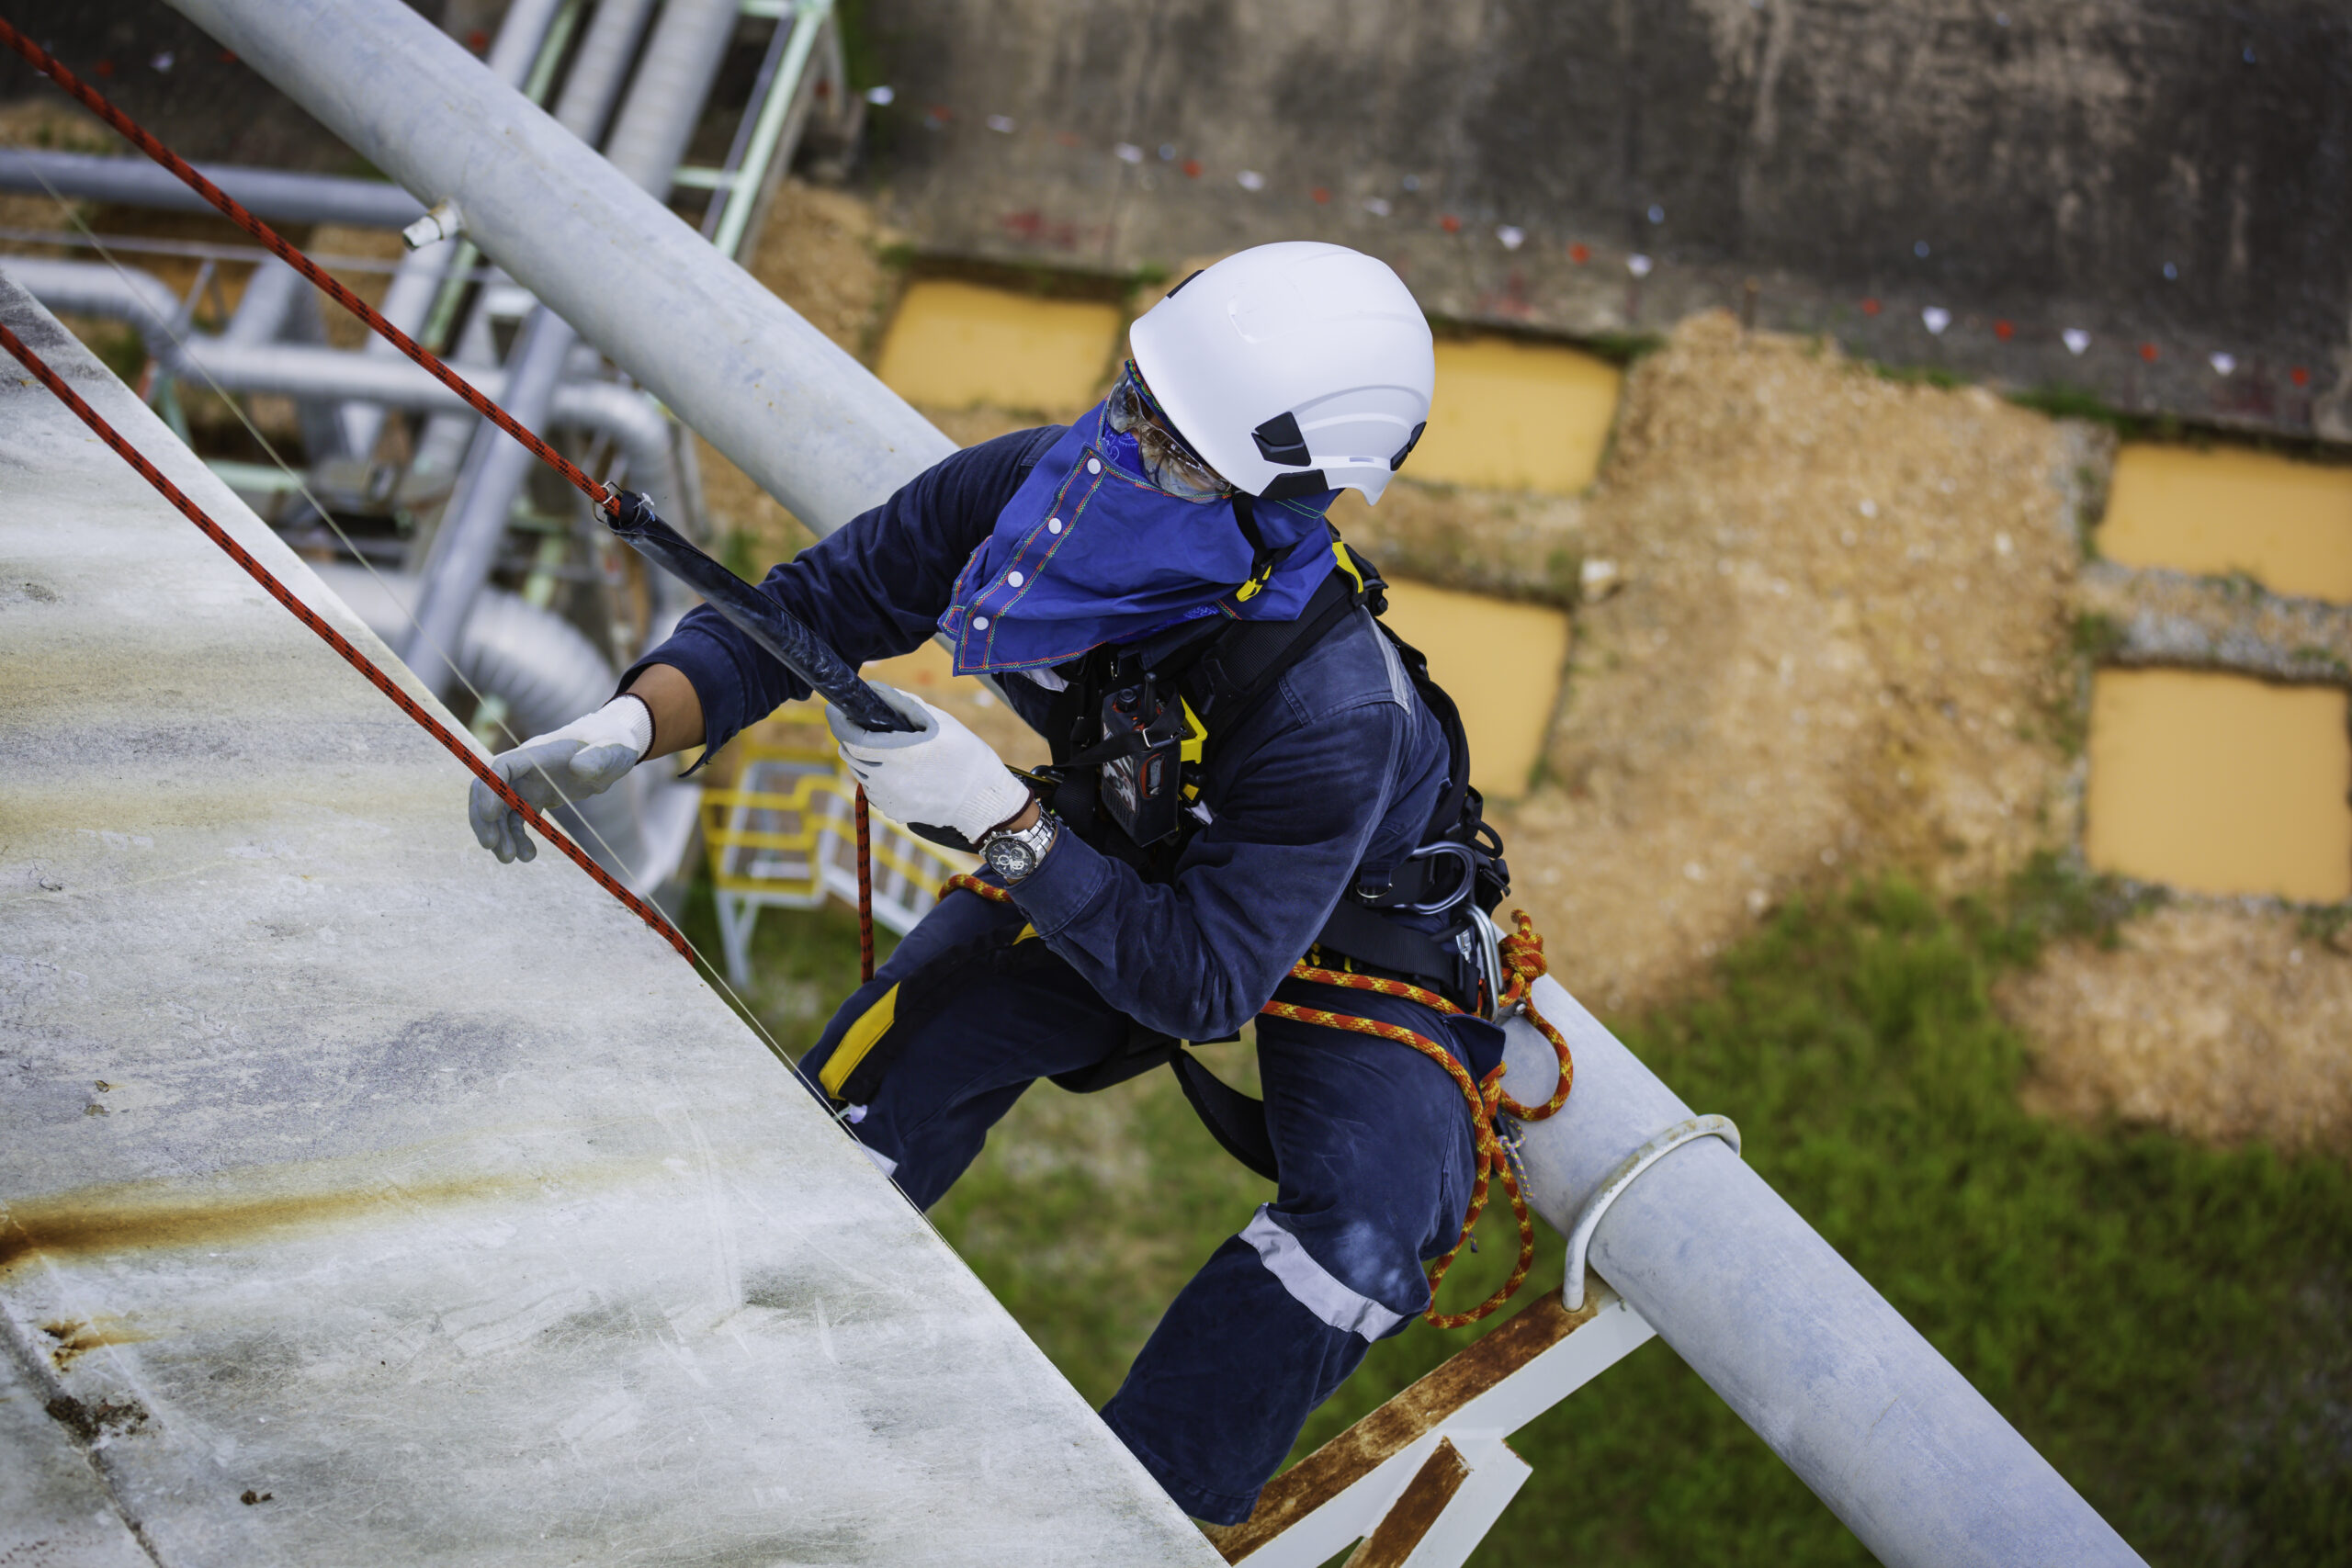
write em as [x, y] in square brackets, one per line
[869, 1028]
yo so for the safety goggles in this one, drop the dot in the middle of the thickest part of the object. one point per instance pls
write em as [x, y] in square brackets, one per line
[1167, 463]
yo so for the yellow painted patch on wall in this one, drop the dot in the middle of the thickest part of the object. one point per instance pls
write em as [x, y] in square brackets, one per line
[2286, 524]
[2218, 784]
[957, 346]
[1517, 416]
[1501, 661]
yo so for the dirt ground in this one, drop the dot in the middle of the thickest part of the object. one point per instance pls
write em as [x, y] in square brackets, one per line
[1829, 633]
[2222, 1021]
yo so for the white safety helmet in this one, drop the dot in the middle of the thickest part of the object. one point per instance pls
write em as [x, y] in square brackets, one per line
[1291, 368]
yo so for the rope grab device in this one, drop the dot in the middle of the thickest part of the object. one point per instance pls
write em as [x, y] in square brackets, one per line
[631, 516]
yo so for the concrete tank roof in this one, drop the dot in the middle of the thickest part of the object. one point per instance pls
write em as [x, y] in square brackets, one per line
[362, 1200]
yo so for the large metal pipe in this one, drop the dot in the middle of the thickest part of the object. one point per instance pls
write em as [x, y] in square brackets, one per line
[810, 424]
[636, 425]
[277, 195]
[665, 102]
[95, 289]
[1865, 1411]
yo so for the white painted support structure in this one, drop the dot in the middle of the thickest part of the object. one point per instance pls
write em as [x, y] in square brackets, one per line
[1866, 1411]
[1443, 1436]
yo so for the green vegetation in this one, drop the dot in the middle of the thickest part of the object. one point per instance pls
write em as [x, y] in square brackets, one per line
[1916, 375]
[2171, 1325]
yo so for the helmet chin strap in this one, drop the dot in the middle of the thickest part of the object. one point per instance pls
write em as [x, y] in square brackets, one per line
[1262, 559]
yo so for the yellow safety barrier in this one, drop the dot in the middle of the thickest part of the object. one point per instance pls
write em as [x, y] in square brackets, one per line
[783, 836]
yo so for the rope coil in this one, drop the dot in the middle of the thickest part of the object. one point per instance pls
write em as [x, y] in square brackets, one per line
[1523, 964]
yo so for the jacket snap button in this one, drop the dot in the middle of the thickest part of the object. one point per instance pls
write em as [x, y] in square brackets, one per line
[979, 623]
[1015, 579]
[1053, 525]
[1094, 465]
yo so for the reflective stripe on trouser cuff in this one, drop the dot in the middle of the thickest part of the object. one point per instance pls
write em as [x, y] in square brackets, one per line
[1313, 1286]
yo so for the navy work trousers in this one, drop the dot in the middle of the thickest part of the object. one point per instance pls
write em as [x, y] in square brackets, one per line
[1374, 1141]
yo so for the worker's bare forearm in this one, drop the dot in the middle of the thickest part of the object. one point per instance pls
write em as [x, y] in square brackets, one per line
[677, 711]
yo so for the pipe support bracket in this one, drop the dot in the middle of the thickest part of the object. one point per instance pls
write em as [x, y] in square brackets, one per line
[1632, 1166]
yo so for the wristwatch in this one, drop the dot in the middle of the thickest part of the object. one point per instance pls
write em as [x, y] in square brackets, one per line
[1014, 853]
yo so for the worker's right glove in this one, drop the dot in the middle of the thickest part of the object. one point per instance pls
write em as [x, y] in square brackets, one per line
[586, 757]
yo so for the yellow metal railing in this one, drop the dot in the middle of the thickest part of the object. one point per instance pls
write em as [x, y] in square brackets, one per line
[781, 834]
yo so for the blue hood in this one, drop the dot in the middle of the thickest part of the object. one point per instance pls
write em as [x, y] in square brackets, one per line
[1088, 552]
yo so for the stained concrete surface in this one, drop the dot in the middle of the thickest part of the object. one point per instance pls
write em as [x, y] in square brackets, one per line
[434, 1203]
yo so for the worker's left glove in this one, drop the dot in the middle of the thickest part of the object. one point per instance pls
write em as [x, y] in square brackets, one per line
[586, 757]
[941, 780]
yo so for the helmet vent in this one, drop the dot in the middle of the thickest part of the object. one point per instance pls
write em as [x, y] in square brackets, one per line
[1406, 450]
[1279, 440]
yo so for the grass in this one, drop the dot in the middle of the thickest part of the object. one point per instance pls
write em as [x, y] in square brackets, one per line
[2170, 1325]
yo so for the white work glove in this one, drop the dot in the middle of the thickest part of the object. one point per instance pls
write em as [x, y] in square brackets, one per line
[940, 781]
[586, 757]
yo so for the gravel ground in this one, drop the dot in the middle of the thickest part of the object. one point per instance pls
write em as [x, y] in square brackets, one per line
[2223, 1021]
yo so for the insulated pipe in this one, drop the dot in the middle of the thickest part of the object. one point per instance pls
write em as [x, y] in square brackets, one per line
[806, 421]
[664, 103]
[277, 195]
[1866, 1411]
[306, 372]
[641, 430]
[96, 289]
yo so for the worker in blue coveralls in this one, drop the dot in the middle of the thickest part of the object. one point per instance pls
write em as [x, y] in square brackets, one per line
[1250, 770]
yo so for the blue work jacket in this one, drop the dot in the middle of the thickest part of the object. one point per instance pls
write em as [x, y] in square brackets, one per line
[1341, 768]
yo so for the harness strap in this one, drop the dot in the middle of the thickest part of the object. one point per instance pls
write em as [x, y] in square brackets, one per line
[1237, 1121]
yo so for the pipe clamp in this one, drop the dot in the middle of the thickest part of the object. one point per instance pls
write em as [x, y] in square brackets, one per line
[1632, 1165]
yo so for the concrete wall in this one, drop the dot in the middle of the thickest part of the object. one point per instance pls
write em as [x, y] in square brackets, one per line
[2052, 155]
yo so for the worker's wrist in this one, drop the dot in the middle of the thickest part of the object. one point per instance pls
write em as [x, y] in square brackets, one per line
[1024, 817]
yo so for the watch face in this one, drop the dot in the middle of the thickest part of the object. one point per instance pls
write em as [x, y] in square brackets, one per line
[1013, 859]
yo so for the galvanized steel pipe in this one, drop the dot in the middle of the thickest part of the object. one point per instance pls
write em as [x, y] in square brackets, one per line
[1866, 1411]
[408, 300]
[805, 420]
[665, 102]
[277, 195]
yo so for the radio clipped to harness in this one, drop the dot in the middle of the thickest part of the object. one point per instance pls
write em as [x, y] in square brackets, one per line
[1145, 732]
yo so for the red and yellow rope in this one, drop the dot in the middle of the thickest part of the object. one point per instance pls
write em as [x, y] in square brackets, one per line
[1523, 964]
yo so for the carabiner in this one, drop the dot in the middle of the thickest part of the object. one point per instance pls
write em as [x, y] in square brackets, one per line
[1469, 876]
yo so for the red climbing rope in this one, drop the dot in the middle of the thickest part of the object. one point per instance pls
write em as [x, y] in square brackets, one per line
[864, 890]
[336, 641]
[1523, 961]
[601, 495]
[42, 61]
